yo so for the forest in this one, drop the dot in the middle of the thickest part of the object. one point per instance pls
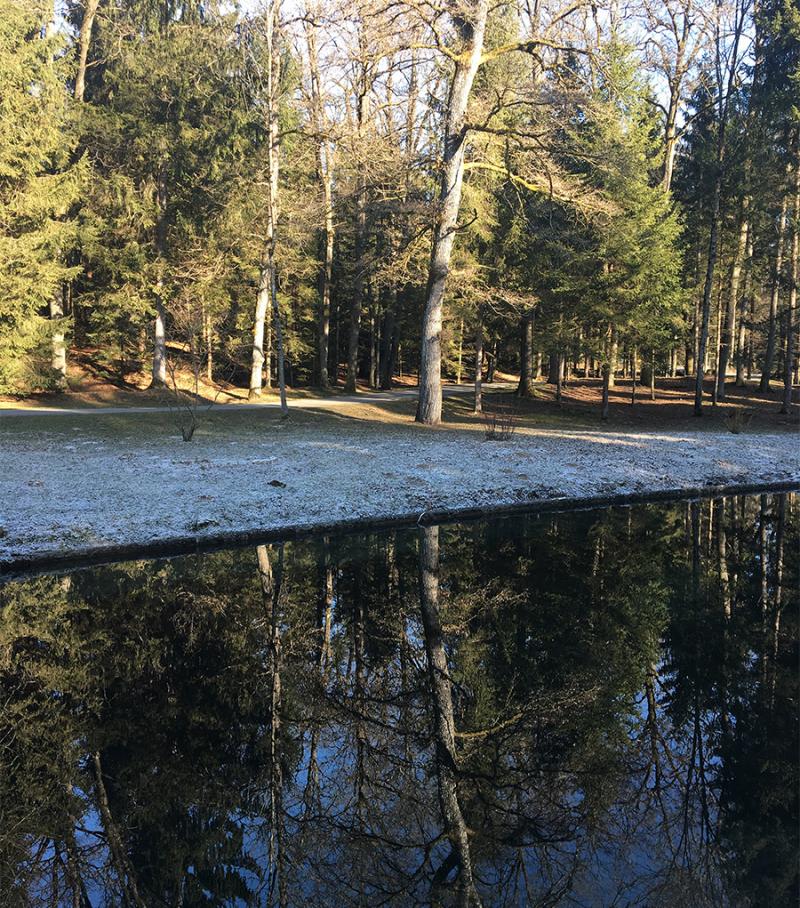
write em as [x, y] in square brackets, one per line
[323, 193]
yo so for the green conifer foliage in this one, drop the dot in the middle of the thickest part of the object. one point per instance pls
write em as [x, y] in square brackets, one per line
[39, 185]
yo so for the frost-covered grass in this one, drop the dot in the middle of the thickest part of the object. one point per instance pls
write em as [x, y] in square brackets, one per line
[77, 485]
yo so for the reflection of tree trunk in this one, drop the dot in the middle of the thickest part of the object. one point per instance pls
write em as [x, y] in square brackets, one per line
[271, 591]
[80, 898]
[763, 552]
[124, 869]
[359, 698]
[776, 617]
[722, 551]
[444, 721]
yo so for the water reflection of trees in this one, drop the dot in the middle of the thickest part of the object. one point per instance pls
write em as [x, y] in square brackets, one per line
[595, 708]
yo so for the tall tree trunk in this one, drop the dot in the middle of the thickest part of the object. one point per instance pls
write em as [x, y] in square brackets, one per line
[84, 41]
[326, 278]
[490, 370]
[711, 264]
[777, 277]
[478, 408]
[745, 332]
[726, 341]
[471, 29]
[443, 716]
[159, 372]
[606, 373]
[460, 356]
[553, 368]
[652, 375]
[671, 137]
[324, 165]
[268, 280]
[258, 358]
[613, 355]
[357, 300]
[389, 339]
[724, 97]
[58, 359]
[788, 366]
[525, 387]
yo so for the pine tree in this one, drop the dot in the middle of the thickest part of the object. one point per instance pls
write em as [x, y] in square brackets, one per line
[39, 183]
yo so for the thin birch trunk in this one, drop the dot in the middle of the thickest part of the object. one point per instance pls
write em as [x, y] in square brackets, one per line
[268, 282]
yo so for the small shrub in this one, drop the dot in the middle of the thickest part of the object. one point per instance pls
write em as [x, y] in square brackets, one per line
[499, 421]
[738, 420]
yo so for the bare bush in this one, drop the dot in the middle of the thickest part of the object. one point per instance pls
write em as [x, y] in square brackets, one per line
[183, 386]
[499, 420]
[738, 420]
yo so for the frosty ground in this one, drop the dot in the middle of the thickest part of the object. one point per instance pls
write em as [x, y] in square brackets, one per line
[72, 486]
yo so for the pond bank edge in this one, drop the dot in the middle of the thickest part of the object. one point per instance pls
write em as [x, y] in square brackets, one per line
[168, 547]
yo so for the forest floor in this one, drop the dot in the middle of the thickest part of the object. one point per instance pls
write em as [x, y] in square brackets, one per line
[94, 389]
[78, 485]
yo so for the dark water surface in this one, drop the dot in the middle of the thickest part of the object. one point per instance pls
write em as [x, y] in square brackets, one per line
[591, 708]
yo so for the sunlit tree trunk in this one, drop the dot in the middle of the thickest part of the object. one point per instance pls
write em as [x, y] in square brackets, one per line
[268, 282]
[159, 371]
[58, 358]
[357, 299]
[84, 41]
[745, 333]
[478, 407]
[470, 23]
[788, 366]
[324, 164]
[727, 58]
[613, 356]
[777, 276]
[726, 339]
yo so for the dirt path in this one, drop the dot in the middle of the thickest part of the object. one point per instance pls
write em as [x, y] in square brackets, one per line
[300, 403]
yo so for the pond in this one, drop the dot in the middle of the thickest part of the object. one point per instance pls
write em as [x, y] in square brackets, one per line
[578, 708]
